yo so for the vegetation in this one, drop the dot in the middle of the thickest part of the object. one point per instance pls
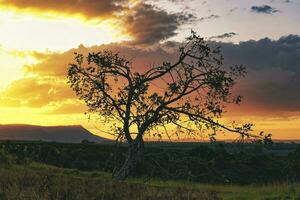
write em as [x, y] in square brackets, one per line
[24, 179]
[218, 163]
[194, 92]
[43, 182]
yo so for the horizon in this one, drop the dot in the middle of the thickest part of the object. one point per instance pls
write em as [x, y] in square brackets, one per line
[37, 42]
[181, 140]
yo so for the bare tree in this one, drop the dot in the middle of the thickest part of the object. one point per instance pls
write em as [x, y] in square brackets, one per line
[192, 96]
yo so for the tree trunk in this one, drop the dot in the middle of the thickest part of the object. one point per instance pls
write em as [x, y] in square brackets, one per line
[134, 156]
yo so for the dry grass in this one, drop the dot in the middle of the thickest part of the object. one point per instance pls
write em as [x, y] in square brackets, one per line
[40, 182]
[35, 181]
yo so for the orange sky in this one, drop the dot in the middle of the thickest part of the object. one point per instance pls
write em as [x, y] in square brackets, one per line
[37, 42]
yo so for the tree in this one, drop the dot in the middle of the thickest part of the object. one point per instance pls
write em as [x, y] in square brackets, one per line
[193, 93]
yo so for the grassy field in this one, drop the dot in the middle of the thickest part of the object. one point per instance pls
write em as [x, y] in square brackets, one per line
[53, 171]
[202, 163]
[35, 181]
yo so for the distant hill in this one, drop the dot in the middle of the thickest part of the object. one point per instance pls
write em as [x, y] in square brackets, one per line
[67, 134]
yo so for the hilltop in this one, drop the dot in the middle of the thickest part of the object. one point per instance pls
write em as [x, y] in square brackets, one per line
[66, 134]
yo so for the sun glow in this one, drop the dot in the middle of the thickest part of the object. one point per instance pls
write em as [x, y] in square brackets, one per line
[27, 31]
[12, 62]
[22, 32]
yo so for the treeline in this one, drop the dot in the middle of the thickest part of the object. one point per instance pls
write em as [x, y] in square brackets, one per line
[200, 163]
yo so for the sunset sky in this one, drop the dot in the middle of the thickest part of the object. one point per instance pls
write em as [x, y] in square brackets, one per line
[38, 39]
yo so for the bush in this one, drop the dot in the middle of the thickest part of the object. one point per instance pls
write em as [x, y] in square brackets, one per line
[5, 158]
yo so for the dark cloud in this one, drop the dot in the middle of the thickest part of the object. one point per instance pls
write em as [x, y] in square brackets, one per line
[266, 9]
[273, 81]
[272, 84]
[212, 16]
[148, 24]
[88, 8]
[233, 9]
[225, 35]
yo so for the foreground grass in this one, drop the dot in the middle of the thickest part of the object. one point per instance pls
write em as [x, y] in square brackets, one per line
[271, 191]
[43, 182]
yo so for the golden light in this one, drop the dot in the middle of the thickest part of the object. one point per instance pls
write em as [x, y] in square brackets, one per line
[31, 31]
[23, 31]
[11, 65]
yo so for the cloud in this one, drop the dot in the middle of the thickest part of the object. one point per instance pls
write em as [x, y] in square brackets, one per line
[273, 80]
[35, 92]
[271, 85]
[69, 106]
[266, 9]
[51, 64]
[149, 25]
[45, 83]
[56, 64]
[233, 9]
[144, 22]
[212, 16]
[87, 8]
[225, 35]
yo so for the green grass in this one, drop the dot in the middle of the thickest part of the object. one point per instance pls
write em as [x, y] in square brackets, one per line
[42, 182]
[271, 191]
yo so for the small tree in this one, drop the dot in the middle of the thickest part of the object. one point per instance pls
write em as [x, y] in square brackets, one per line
[192, 94]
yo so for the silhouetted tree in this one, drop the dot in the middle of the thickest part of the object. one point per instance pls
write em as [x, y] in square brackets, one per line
[191, 97]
